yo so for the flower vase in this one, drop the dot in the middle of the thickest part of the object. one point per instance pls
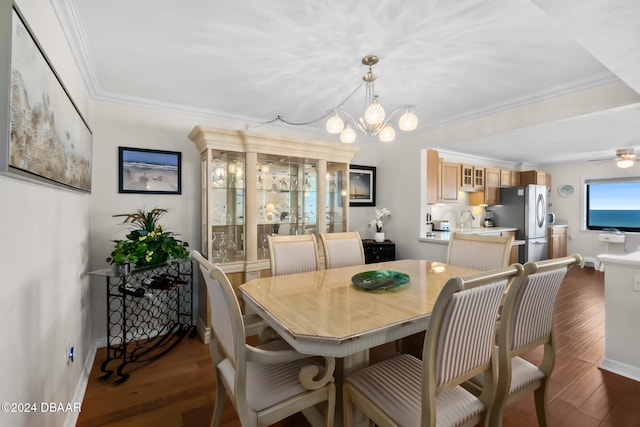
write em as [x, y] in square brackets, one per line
[122, 269]
[379, 236]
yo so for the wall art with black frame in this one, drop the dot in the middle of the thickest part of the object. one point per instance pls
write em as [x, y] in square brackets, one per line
[47, 139]
[149, 171]
[362, 185]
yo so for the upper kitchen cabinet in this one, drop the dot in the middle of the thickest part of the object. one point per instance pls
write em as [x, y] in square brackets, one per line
[471, 178]
[433, 176]
[491, 191]
[449, 181]
[466, 177]
[505, 178]
[254, 185]
[533, 177]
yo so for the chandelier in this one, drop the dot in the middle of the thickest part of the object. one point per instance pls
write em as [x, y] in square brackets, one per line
[375, 121]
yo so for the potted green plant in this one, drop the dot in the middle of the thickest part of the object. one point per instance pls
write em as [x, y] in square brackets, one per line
[148, 243]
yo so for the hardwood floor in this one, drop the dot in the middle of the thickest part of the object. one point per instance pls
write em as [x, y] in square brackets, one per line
[178, 389]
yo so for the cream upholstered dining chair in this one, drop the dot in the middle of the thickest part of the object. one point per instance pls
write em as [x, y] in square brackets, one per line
[479, 251]
[342, 249]
[527, 323]
[266, 383]
[459, 342]
[293, 254]
[254, 324]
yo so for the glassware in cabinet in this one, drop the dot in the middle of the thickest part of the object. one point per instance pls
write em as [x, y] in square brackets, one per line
[226, 205]
[336, 202]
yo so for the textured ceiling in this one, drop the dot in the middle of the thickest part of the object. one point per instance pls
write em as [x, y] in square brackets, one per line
[455, 60]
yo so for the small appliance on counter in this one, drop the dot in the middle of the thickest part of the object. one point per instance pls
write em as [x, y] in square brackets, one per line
[488, 218]
[429, 224]
[441, 225]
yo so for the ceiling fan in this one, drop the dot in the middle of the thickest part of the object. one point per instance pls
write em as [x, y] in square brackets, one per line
[625, 158]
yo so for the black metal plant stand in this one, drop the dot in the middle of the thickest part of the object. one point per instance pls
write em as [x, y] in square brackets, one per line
[149, 311]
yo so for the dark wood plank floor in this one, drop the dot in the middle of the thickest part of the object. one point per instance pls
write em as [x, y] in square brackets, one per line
[178, 389]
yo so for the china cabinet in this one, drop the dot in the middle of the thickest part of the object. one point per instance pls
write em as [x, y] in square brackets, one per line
[254, 185]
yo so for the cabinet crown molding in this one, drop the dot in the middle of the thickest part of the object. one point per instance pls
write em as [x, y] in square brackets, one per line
[245, 141]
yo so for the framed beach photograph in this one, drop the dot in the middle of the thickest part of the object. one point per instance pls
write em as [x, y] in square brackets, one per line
[149, 171]
[362, 185]
[48, 140]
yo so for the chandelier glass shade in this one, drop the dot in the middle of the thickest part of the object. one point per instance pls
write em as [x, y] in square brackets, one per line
[375, 121]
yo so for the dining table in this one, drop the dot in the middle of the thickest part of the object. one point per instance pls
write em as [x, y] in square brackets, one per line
[337, 312]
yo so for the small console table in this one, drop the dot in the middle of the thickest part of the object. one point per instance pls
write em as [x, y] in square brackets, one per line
[378, 252]
[149, 311]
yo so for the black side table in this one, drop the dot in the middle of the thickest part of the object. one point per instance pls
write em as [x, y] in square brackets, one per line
[378, 252]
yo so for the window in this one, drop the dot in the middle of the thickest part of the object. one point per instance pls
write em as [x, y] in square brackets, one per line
[613, 203]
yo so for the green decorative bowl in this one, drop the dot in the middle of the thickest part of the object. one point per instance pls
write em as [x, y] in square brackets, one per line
[379, 279]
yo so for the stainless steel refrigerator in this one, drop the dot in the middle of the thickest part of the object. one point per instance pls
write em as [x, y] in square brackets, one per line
[525, 208]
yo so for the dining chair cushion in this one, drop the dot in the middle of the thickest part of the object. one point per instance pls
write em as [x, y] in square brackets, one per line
[523, 374]
[268, 384]
[400, 396]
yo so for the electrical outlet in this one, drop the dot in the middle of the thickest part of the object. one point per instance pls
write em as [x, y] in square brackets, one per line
[636, 282]
[69, 353]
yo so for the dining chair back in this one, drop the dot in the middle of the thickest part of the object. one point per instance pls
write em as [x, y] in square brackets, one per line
[479, 251]
[293, 254]
[527, 323]
[266, 383]
[459, 341]
[342, 249]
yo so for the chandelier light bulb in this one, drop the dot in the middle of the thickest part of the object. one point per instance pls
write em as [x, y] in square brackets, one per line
[335, 124]
[408, 121]
[348, 135]
[375, 113]
[387, 134]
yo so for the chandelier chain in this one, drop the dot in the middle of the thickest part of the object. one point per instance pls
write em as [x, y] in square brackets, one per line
[310, 122]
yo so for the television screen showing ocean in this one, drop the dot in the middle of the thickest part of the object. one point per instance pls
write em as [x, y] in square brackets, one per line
[614, 218]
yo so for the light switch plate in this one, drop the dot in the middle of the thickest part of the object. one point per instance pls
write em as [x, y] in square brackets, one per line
[636, 282]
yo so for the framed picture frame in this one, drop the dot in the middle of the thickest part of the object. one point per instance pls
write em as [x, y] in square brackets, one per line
[362, 185]
[142, 170]
[47, 139]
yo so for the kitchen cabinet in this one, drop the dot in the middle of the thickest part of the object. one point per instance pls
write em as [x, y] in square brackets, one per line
[479, 178]
[505, 178]
[533, 177]
[449, 175]
[491, 192]
[515, 178]
[557, 242]
[466, 177]
[471, 178]
[433, 177]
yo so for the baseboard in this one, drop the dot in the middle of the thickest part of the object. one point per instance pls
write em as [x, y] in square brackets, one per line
[78, 396]
[632, 372]
[204, 331]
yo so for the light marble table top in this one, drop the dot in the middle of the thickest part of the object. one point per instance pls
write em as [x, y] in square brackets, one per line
[323, 313]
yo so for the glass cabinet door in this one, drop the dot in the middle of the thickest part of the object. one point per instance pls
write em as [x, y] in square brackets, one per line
[286, 198]
[226, 204]
[337, 188]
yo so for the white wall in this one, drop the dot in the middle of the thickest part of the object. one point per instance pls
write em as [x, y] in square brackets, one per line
[43, 262]
[569, 210]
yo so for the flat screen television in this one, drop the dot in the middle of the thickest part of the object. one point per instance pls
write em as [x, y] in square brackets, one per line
[613, 204]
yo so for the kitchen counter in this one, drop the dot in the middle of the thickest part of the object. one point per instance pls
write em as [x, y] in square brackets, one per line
[621, 302]
[444, 236]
